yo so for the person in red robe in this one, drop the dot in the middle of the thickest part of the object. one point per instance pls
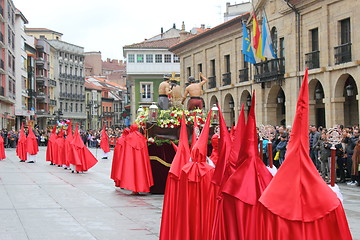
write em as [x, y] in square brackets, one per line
[134, 169]
[21, 146]
[50, 146]
[31, 145]
[68, 140]
[83, 159]
[118, 156]
[170, 210]
[215, 148]
[298, 204]
[197, 194]
[60, 146]
[104, 143]
[2, 148]
[241, 191]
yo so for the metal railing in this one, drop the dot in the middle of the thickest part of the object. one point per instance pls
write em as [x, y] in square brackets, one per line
[212, 82]
[269, 70]
[312, 59]
[343, 53]
[244, 75]
[226, 78]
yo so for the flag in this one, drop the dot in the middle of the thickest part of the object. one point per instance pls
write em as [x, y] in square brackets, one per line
[257, 39]
[267, 46]
[246, 47]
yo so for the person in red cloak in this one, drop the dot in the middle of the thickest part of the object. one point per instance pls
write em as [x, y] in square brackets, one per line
[104, 143]
[118, 157]
[2, 148]
[60, 146]
[197, 194]
[21, 146]
[215, 148]
[241, 191]
[135, 170]
[170, 210]
[67, 147]
[298, 204]
[83, 159]
[31, 145]
[50, 146]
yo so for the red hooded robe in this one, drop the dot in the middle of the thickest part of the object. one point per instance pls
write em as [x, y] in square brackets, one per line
[2, 148]
[31, 142]
[50, 145]
[298, 204]
[81, 153]
[68, 140]
[104, 141]
[135, 169]
[169, 218]
[21, 146]
[197, 195]
[118, 157]
[60, 146]
[240, 193]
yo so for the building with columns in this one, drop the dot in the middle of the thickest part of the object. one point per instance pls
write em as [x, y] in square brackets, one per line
[319, 35]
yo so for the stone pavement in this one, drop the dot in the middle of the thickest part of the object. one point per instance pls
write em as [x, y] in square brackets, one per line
[39, 201]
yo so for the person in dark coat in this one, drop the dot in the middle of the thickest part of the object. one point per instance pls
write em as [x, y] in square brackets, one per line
[282, 148]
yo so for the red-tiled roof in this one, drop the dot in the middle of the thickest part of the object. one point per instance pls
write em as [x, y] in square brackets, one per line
[113, 66]
[90, 85]
[162, 43]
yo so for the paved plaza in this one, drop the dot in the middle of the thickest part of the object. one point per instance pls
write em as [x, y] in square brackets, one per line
[39, 201]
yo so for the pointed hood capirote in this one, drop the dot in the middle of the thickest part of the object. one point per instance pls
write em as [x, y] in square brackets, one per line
[182, 155]
[21, 146]
[302, 192]
[31, 142]
[104, 141]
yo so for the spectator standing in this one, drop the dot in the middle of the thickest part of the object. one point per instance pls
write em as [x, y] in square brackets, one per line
[314, 137]
[325, 154]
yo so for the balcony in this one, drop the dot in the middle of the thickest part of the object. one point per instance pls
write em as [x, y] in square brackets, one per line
[226, 79]
[108, 114]
[244, 75]
[269, 70]
[40, 62]
[212, 82]
[41, 80]
[52, 83]
[343, 53]
[62, 75]
[40, 95]
[312, 59]
[42, 112]
[52, 102]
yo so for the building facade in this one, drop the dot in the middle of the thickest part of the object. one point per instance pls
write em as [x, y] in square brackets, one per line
[321, 36]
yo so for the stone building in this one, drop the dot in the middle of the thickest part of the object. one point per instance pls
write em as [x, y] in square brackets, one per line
[319, 35]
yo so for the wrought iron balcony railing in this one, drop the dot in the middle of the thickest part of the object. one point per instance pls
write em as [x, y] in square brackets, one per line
[343, 53]
[312, 59]
[226, 79]
[269, 70]
[244, 75]
[212, 82]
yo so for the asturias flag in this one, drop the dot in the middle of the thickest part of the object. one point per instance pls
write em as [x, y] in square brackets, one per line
[246, 47]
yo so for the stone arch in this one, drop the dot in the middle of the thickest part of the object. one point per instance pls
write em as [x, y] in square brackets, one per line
[229, 109]
[316, 103]
[346, 106]
[213, 100]
[275, 106]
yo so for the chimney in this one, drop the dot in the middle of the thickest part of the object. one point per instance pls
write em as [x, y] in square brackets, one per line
[162, 32]
[108, 60]
[183, 33]
[203, 26]
[174, 26]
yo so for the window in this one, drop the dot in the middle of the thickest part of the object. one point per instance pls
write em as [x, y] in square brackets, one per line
[227, 63]
[188, 71]
[66, 88]
[140, 58]
[274, 37]
[71, 107]
[107, 109]
[282, 47]
[212, 68]
[61, 86]
[167, 58]
[76, 107]
[149, 58]
[314, 39]
[200, 68]
[61, 106]
[345, 31]
[176, 59]
[66, 107]
[81, 107]
[110, 109]
[131, 58]
[158, 58]
[146, 92]
[42, 36]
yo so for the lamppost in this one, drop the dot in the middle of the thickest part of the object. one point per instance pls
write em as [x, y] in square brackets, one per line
[58, 113]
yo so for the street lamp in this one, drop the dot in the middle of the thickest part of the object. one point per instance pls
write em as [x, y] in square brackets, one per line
[153, 113]
[349, 90]
[215, 115]
[248, 101]
[319, 94]
[280, 98]
[231, 104]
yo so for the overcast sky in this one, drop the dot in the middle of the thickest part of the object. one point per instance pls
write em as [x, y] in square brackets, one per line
[108, 25]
